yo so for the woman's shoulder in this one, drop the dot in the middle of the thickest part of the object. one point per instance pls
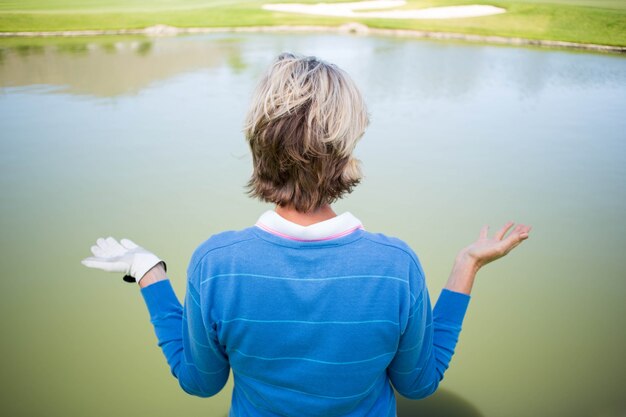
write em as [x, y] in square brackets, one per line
[221, 240]
[390, 243]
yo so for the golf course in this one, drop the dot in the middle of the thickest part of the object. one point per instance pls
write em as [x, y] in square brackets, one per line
[599, 22]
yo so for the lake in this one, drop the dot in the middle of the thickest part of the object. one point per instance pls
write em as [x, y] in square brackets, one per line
[142, 138]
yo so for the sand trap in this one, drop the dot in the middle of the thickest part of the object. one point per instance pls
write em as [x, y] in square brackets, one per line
[348, 10]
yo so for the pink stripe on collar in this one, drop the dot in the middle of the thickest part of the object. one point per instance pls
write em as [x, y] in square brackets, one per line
[335, 236]
[338, 226]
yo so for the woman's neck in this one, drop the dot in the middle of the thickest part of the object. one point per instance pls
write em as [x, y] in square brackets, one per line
[305, 219]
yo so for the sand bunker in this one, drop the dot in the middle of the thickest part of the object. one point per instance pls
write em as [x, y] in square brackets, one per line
[349, 10]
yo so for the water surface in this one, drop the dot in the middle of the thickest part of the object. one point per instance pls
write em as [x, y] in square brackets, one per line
[142, 138]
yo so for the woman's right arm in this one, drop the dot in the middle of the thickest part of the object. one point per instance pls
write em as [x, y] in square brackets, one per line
[430, 337]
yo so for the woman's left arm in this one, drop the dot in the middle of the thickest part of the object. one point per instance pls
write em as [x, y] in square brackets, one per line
[194, 355]
[157, 273]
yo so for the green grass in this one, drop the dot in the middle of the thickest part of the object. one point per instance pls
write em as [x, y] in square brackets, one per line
[585, 21]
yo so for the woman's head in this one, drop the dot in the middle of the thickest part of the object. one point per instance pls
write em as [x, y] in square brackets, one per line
[304, 121]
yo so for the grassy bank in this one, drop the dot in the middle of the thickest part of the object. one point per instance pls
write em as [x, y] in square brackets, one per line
[584, 21]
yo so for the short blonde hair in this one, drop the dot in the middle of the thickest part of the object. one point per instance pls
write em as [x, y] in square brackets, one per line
[304, 121]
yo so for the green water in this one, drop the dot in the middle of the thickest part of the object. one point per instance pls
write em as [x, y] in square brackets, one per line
[142, 138]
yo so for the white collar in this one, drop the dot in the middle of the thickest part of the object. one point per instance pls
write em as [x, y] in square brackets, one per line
[338, 226]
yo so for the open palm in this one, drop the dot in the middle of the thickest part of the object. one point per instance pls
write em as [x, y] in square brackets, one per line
[487, 249]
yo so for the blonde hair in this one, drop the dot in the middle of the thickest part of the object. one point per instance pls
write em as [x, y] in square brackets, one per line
[304, 121]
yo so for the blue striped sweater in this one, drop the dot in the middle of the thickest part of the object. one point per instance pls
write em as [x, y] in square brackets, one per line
[309, 328]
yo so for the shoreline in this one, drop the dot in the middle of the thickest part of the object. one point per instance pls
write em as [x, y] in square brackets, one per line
[346, 28]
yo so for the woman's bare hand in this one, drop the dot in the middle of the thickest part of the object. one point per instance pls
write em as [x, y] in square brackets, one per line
[484, 250]
[488, 249]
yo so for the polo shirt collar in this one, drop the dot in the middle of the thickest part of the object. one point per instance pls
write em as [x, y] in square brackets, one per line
[338, 226]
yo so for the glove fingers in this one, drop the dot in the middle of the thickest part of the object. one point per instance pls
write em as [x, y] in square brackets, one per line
[98, 263]
[129, 244]
[93, 262]
[102, 243]
[98, 251]
[114, 244]
[107, 248]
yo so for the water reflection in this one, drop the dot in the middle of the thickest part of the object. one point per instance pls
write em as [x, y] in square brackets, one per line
[27, 50]
[144, 48]
[73, 48]
[112, 68]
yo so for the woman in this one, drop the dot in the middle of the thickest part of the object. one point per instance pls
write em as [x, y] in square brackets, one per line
[314, 315]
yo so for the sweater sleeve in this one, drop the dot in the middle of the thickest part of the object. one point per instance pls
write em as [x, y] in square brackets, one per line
[193, 353]
[427, 344]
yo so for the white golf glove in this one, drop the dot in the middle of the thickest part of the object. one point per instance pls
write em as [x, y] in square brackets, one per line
[125, 256]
